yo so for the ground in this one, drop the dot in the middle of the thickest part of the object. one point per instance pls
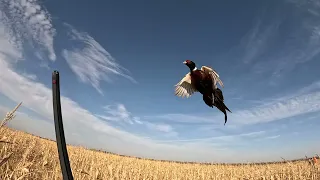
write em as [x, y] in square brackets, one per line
[24, 156]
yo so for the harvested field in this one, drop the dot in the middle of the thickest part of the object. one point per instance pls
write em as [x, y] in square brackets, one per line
[24, 156]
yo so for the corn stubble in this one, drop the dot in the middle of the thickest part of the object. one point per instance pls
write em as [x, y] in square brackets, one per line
[24, 156]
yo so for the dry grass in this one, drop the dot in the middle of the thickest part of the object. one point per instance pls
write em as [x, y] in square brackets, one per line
[23, 156]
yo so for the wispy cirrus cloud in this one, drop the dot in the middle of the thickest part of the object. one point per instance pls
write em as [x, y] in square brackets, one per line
[226, 138]
[311, 88]
[264, 53]
[28, 21]
[92, 63]
[166, 130]
[118, 113]
[30, 76]
[279, 110]
[303, 101]
[256, 42]
[272, 137]
[160, 127]
[311, 6]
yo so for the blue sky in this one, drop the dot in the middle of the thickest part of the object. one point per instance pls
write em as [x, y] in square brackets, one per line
[119, 62]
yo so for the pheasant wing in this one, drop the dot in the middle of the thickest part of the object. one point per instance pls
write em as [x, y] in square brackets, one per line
[215, 76]
[185, 88]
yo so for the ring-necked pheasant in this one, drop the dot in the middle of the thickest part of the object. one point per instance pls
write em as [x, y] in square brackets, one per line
[204, 81]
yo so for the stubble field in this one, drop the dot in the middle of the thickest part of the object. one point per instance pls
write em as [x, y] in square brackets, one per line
[24, 156]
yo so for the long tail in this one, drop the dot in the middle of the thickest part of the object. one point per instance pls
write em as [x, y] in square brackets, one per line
[219, 103]
[222, 107]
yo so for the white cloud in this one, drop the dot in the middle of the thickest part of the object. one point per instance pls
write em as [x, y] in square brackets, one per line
[273, 137]
[5, 52]
[119, 113]
[30, 76]
[276, 109]
[92, 63]
[137, 120]
[300, 43]
[182, 118]
[162, 127]
[283, 109]
[166, 129]
[226, 138]
[311, 6]
[29, 124]
[281, 97]
[256, 41]
[28, 21]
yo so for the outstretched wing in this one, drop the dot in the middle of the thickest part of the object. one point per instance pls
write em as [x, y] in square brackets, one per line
[215, 76]
[184, 88]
